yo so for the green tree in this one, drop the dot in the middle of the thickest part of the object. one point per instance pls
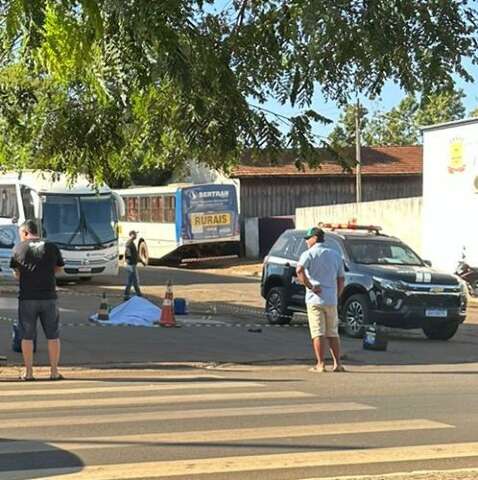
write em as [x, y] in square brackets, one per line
[108, 87]
[396, 127]
[401, 125]
[343, 135]
[441, 107]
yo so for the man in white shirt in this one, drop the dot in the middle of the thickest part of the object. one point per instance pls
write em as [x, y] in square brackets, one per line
[321, 270]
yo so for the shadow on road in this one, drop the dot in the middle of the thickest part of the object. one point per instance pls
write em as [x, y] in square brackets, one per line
[154, 276]
[37, 462]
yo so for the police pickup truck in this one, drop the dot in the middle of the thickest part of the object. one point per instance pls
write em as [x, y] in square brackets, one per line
[386, 283]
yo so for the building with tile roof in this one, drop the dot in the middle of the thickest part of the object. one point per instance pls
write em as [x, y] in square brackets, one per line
[278, 189]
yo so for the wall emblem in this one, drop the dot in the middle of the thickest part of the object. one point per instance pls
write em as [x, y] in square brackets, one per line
[456, 163]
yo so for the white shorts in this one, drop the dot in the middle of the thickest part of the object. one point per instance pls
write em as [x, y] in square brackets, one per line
[323, 320]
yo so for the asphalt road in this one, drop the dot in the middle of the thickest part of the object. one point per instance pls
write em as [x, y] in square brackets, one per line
[255, 423]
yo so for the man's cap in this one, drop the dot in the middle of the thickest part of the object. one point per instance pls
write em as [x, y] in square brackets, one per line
[133, 232]
[313, 232]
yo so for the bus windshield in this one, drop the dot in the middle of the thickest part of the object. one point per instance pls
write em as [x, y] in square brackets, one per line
[72, 220]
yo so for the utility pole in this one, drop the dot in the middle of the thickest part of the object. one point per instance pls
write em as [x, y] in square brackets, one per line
[358, 154]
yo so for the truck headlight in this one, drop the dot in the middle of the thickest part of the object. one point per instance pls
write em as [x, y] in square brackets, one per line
[386, 284]
[463, 287]
[111, 256]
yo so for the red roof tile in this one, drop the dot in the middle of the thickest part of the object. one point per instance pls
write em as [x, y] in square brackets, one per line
[407, 160]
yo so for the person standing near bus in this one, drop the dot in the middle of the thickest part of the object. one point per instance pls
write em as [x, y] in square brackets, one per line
[35, 263]
[132, 259]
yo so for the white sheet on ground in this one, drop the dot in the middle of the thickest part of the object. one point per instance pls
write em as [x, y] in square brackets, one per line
[137, 311]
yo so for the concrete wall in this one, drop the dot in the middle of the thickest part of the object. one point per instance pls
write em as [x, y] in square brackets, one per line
[401, 218]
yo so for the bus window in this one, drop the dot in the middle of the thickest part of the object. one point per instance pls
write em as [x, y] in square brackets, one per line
[157, 213]
[132, 211]
[28, 205]
[169, 209]
[145, 209]
[8, 201]
[162, 209]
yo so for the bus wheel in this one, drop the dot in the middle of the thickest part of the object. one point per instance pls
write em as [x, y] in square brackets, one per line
[143, 252]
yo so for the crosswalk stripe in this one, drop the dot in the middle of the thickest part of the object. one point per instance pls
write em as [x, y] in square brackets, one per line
[161, 469]
[309, 408]
[15, 386]
[208, 436]
[132, 388]
[150, 400]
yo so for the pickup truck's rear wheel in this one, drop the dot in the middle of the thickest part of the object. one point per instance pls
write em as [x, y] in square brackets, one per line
[356, 315]
[441, 332]
[277, 312]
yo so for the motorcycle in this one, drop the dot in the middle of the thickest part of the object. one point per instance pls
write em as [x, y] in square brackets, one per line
[468, 274]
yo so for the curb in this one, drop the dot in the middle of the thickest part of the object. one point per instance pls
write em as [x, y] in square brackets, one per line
[458, 474]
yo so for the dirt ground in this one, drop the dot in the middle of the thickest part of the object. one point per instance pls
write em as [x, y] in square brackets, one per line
[236, 267]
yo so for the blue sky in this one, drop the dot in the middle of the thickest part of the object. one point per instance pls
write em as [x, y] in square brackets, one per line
[391, 96]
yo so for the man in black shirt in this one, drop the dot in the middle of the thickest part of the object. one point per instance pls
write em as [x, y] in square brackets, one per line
[35, 262]
[131, 257]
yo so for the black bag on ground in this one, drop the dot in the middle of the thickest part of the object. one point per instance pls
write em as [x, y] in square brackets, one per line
[17, 340]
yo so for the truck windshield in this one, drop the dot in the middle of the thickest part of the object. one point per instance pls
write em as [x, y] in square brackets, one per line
[71, 220]
[371, 252]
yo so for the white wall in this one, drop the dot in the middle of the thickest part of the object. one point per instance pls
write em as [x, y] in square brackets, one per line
[400, 218]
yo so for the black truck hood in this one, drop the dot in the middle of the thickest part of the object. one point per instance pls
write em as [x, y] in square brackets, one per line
[409, 274]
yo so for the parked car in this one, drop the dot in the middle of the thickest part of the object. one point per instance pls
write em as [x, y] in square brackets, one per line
[386, 283]
[8, 239]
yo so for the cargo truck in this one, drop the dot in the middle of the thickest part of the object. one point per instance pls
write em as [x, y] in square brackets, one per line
[450, 194]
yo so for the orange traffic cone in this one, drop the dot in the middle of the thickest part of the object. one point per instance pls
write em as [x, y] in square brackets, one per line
[103, 311]
[167, 313]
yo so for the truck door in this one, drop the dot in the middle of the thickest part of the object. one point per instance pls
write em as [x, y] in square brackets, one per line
[297, 290]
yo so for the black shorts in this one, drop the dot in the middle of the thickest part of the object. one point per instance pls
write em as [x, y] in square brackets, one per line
[46, 310]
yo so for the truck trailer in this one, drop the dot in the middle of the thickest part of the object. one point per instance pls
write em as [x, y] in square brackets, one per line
[450, 194]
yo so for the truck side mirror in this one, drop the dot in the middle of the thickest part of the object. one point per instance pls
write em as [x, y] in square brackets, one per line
[346, 265]
[428, 263]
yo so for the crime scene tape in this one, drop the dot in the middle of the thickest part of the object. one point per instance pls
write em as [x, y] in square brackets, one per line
[191, 324]
[206, 313]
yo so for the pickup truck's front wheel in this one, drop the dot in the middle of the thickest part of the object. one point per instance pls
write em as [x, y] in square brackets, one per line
[277, 312]
[441, 332]
[356, 315]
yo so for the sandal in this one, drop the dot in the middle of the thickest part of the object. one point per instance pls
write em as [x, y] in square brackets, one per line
[24, 378]
[339, 368]
[317, 369]
[56, 378]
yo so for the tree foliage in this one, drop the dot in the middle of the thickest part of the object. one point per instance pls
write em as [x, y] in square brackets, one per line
[401, 125]
[343, 134]
[107, 87]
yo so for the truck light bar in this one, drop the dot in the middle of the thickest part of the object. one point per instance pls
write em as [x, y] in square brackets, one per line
[350, 226]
